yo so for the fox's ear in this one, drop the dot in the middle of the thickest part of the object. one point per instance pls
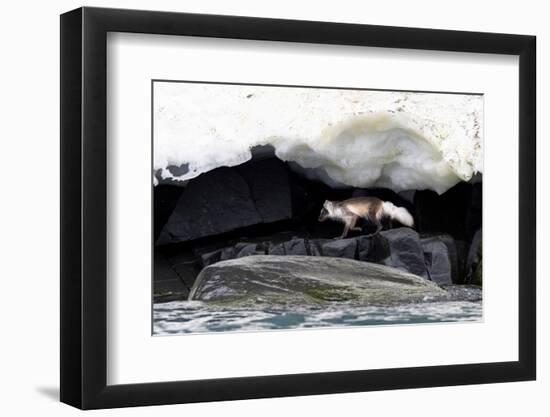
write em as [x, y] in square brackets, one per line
[327, 204]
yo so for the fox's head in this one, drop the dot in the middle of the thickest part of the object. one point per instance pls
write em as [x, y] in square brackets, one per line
[326, 211]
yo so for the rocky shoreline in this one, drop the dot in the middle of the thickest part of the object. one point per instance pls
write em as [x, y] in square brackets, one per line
[262, 209]
[433, 258]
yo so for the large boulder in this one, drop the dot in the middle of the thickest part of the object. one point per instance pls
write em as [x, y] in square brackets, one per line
[212, 203]
[305, 279]
[270, 188]
[438, 261]
[226, 199]
[406, 251]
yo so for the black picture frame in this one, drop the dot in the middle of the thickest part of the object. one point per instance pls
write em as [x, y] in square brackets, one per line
[83, 207]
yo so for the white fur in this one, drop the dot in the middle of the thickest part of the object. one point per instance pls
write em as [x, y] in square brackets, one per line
[334, 212]
[398, 213]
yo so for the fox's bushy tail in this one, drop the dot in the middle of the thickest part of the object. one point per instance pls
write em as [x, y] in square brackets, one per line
[400, 214]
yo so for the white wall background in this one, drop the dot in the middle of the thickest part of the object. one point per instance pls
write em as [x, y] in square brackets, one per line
[29, 226]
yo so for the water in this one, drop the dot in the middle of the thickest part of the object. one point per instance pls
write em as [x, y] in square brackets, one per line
[180, 317]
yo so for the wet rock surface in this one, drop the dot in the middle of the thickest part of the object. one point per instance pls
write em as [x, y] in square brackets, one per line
[304, 279]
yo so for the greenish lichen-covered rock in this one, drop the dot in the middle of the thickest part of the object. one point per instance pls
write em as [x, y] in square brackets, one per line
[306, 279]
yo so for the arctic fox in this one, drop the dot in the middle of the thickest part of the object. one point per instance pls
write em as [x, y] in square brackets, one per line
[370, 208]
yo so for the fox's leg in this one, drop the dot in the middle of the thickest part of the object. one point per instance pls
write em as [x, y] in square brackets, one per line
[347, 225]
[352, 224]
[378, 225]
[345, 232]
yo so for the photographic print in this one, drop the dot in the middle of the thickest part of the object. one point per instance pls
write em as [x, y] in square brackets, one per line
[290, 207]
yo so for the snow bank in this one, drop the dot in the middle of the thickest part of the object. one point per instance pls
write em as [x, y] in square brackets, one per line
[398, 140]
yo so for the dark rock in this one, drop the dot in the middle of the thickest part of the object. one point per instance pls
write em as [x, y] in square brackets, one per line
[162, 270]
[227, 253]
[163, 179]
[341, 248]
[476, 178]
[247, 249]
[230, 252]
[210, 258]
[187, 273]
[456, 212]
[455, 257]
[177, 255]
[178, 170]
[297, 280]
[477, 277]
[212, 203]
[407, 195]
[226, 199]
[164, 176]
[366, 248]
[260, 152]
[475, 209]
[278, 249]
[438, 262]
[296, 247]
[270, 187]
[406, 251]
[315, 246]
[184, 263]
[292, 247]
[473, 269]
[167, 285]
[165, 198]
[373, 248]
[462, 253]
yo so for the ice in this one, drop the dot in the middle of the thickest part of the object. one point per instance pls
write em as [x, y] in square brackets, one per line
[359, 138]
